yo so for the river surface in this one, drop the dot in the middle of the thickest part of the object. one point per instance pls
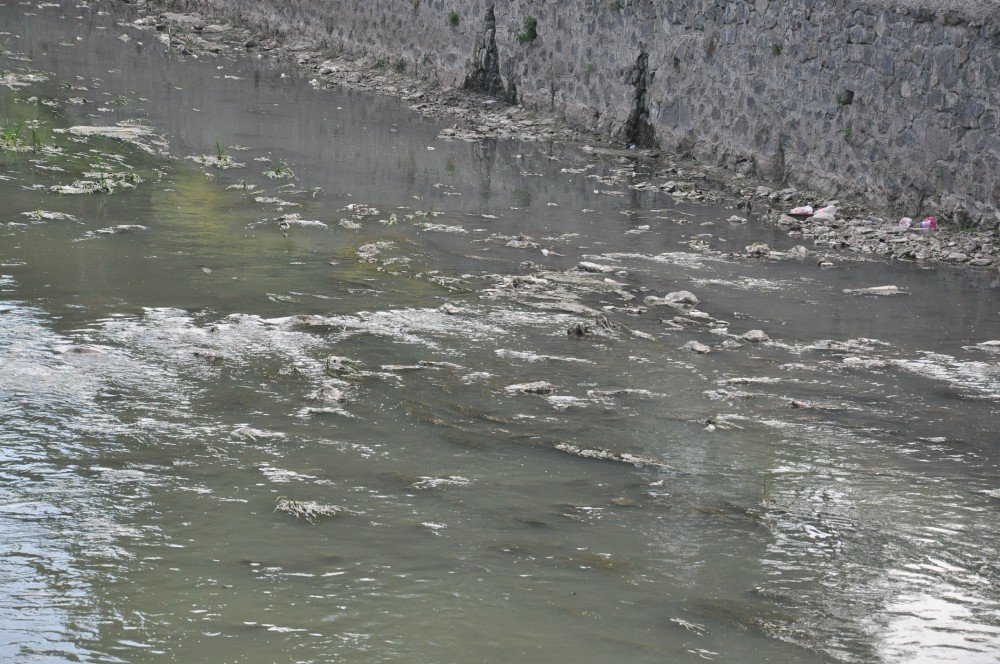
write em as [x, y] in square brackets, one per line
[187, 475]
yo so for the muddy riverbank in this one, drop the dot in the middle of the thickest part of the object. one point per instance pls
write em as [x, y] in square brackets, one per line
[852, 227]
[891, 103]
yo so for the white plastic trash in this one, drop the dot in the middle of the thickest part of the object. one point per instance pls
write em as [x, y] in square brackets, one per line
[828, 213]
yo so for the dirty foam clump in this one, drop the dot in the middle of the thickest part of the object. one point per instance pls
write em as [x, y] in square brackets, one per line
[608, 455]
[434, 527]
[536, 387]
[239, 338]
[555, 291]
[14, 80]
[859, 345]
[114, 230]
[141, 136]
[99, 182]
[682, 300]
[476, 377]
[531, 319]
[435, 482]
[223, 162]
[587, 266]
[607, 393]
[44, 215]
[319, 411]
[411, 326]
[280, 172]
[252, 435]
[442, 228]
[123, 475]
[282, 476]
[992, 346]
[535, 357]
[331, 392]
[750, 380]
[286, 221]
[980, 379]
[310, 510]
[678, 258]
[748, 284]
[359, 210]
[276, 202]
[563, 402]
[865, 363]
[367, 253]
[876, 290]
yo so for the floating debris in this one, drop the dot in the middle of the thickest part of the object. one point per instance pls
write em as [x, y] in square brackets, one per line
[14, 80]
[608, 455]
[697, 347]
[755, 336]
[587, 266]
[115, 230]
[208, 355]
[277, 202]
[528, 356]
[368, 252]
[682, 300]
[341, 365]
[435, 482]
[876, 290]
[138, 135]
[620, 392]
[537, 387]
[451, 309]
[329, 394]
[443, 228]
[223, 162]
[99, 183]
[286, 221]
[694, 628]
[280, 172]
[434, 527]
[310, 510]
[44, 215]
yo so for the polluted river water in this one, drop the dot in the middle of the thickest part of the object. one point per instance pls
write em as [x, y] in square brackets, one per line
[286, 376]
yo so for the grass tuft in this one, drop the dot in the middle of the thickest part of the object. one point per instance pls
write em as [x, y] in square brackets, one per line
[529, 32]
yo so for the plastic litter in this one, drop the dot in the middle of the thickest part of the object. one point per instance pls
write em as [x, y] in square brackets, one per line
[905, 222]
[929, 222]
[802, 211]
[828, 213]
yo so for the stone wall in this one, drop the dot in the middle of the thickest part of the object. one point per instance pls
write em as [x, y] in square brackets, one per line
[892, 101]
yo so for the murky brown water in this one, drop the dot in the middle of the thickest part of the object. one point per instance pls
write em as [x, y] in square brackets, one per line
[158, 397]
